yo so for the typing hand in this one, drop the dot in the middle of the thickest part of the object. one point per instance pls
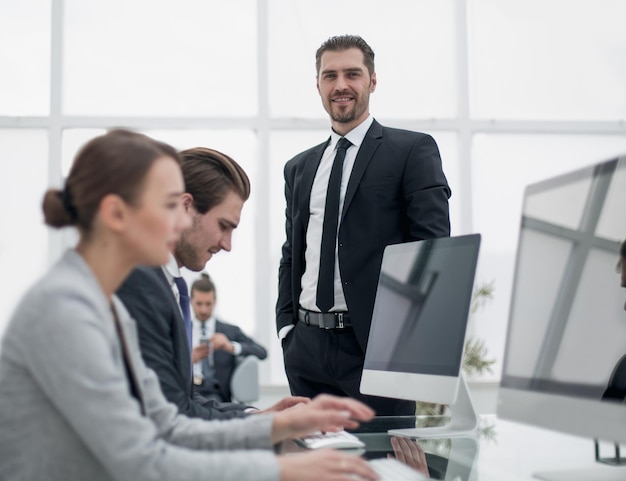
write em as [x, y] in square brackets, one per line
[324, 464]
[325, 413]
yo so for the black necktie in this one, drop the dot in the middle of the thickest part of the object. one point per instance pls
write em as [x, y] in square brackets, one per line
[183, 299]
[326, 279]
[208, 371]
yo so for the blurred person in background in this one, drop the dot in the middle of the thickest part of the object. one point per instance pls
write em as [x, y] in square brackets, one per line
[217, 344]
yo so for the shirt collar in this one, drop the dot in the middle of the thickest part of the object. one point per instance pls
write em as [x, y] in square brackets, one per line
[210, 326]
[355, 136]
[171, 269]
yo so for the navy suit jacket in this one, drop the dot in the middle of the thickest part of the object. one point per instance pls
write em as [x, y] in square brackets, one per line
[397, 192]
[147, 295]
[225, 362]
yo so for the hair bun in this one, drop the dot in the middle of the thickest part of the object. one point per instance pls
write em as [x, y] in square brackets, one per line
[204, 275]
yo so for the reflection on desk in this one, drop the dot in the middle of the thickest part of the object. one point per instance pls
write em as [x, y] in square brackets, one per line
[501, 450]
[446, 459]
[450, 459]
[519, 452]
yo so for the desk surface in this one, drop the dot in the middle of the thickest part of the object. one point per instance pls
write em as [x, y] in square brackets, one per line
[499, 451]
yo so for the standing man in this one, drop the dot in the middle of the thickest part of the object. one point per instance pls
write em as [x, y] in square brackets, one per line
[364, 188]
[157, 298]
[217, 344]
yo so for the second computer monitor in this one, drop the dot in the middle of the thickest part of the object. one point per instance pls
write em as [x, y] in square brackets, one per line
[567, 327]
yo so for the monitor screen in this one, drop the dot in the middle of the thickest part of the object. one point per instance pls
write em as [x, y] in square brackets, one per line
[417, 334]
[567, 324]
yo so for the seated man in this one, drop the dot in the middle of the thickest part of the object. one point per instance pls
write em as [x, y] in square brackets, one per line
[215, 189]
[216, 344]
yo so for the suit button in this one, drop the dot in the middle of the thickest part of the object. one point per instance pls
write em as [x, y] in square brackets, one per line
[341, 244]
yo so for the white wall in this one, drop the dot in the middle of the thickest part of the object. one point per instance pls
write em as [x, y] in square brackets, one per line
[512, 91]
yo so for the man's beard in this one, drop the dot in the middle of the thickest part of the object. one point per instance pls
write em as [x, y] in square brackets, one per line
[186, 255]
[346, 116]
[343, 117]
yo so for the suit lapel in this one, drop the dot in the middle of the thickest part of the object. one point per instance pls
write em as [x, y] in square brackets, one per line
[370, 144]
[129, 342]
[181, 347]
[219, 327]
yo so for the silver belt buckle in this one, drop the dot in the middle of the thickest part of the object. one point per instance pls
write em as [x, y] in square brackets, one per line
[340, 318]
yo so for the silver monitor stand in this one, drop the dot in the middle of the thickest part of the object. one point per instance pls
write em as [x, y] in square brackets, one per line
[463, 419]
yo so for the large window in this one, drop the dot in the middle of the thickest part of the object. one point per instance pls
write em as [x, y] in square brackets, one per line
[512, 91]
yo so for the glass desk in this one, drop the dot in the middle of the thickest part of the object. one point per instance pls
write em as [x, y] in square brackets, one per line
[450, 459]
[499, 451]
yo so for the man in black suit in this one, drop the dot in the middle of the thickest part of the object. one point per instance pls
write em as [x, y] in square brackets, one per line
[391, 189]
[215, 189]
[217, 344]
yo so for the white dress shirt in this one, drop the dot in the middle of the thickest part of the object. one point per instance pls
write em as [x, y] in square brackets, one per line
[317, 206]
[316, 218]
[197, 334]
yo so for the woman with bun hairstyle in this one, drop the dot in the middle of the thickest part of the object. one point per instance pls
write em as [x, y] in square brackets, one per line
[76, 401]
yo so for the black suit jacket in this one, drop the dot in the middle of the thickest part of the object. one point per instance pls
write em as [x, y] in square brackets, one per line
[147, 295]
[616, 389]
[397, 192]
[225, 362]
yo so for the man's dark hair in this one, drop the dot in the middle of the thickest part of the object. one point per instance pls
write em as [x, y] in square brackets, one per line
[210, 175]
[204, 284]
[345, 42]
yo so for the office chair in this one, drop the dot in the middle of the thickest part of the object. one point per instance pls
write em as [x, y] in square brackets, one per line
[244, 383]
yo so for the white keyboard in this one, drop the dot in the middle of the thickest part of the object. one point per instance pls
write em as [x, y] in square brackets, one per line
[390, 469]
[339, 440]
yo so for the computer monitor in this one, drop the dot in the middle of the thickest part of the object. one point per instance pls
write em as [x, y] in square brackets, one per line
[567, 325]
[417, 334]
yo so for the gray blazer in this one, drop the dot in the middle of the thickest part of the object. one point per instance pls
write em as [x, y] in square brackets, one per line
[66, 412]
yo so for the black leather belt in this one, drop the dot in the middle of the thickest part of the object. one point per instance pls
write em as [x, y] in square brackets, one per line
[329, 320]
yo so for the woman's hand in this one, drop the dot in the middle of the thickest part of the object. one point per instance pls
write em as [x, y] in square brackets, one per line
[324, 413]
[324, 464]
